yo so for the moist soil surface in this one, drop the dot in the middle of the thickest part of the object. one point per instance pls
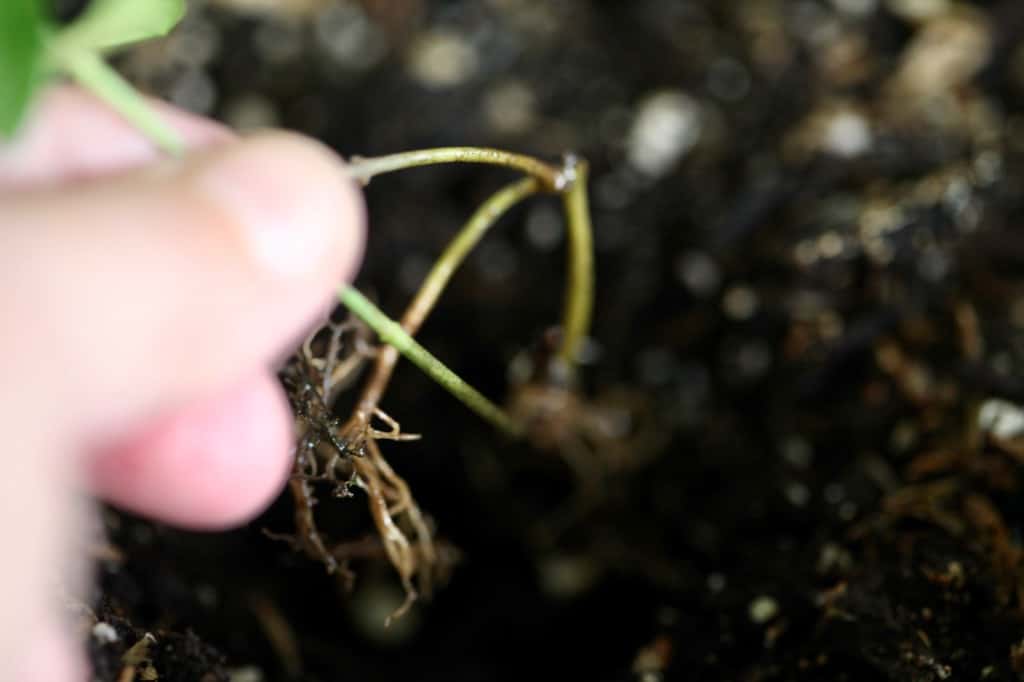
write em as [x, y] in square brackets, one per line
[809, 336]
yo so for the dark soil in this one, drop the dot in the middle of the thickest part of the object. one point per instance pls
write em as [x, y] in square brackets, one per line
[806, 330]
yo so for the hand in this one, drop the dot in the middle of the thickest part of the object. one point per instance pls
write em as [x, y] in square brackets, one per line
[144, 302]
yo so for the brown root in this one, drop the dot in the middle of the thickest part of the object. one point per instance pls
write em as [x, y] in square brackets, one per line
[347, 456]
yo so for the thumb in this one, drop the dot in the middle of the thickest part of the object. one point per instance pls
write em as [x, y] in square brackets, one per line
[153, 286]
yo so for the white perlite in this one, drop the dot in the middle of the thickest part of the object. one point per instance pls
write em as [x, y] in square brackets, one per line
[104, 633]
[1001, 418]
[763, 609]
[847, 134]
[667, 125]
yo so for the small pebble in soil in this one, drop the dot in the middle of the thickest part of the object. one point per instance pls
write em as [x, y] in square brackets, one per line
[830, 245]
[833, 559]
[847, 134]
[564, 576]
[544, 228]
[699, 273]
[814, 24]
[347, 37]
[246, 674]
[510, 108]
[988, 169]
[197, 42]
[797, 452]
[903, 438]
[745, 361]
[917, 10]
[740, 302]
[728, 80]
[616, 190]
[856, 8]
[666, 126]
[716, 582]
[251, 112]
[837, 128]
[278, 42]
[412, 271]
[656, 366]
[496, 261]
[797, 494]
[441, 60]
[834, 493]
[933, 264]
[805, 253]
[763, 609]
[373, 602]
[194, 90]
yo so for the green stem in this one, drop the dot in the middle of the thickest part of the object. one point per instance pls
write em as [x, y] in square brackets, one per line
[570, 182]
[364, 169]
[579, 296]
[439, 276]
[464, 242]
[93, 73]
[391, 332]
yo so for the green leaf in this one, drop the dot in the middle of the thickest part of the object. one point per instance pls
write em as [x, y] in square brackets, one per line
[21, 51]
[107, 24]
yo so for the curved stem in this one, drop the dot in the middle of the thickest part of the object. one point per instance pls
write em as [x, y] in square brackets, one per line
[550, 177]
[392, 333]
[579, 295]
[438, 277]
[464, 242]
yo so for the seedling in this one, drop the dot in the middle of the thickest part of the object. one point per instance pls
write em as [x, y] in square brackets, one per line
[34, 49]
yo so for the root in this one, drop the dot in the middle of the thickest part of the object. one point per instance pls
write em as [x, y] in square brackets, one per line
[347, 456]
[407, 537]
[394, 431]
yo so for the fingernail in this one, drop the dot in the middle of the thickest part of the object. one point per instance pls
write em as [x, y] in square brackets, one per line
[284, 193]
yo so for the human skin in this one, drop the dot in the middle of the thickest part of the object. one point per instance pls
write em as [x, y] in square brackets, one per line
[145, 302]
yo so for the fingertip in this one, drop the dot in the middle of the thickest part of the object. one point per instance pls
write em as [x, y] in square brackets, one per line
[210, 466]
[243, 246]
[299, 211]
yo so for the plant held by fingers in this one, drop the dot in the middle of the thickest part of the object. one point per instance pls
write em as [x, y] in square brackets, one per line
[344, 453]
[348, 453]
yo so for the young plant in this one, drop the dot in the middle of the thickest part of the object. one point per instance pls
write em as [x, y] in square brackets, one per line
[34, 49]
[348, 454]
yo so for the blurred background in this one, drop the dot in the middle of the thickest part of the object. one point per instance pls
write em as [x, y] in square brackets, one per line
[809, 334]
